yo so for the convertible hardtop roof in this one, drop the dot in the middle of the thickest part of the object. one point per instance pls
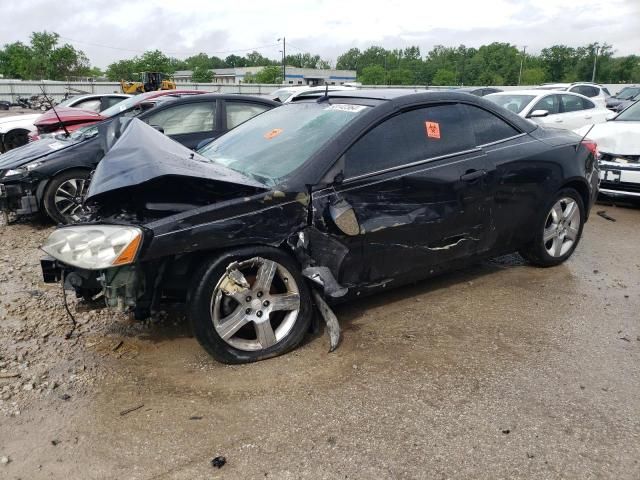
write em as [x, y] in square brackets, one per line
[401, 97]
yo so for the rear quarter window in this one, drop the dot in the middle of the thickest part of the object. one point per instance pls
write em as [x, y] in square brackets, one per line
[488, 127]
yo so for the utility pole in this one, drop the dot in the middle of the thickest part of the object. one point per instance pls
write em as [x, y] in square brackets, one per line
[595, 60]
[284, 58]
[524, 52]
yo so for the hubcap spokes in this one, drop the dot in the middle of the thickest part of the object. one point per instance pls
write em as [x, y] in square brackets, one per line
[561, 227]
[270, 305]
[69, 197]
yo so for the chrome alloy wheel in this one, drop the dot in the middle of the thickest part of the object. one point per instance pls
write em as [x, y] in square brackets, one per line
[69, 198]
[262, 313]
[561, 227]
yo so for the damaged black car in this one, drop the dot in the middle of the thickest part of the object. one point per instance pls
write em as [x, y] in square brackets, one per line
[319, 201]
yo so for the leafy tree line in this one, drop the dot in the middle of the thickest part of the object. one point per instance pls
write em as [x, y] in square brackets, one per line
[493, 64]
[44, 58]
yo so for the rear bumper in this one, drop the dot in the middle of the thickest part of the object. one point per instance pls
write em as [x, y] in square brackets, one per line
[18, 200]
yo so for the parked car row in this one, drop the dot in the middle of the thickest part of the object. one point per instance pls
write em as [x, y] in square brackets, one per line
[52, 175]
[15, 130]
[254, 211]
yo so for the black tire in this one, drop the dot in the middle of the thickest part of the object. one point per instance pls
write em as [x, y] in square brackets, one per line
[536, 251]
[200, 310]
[60, 215]
[15, 139]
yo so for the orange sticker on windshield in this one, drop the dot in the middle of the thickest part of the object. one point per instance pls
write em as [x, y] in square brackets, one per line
[433, 129]
[273, 133]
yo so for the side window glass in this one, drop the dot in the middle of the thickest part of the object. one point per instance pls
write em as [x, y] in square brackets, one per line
[409, 137]
[488, 127]
[586, 104]
[549, 103]
[111, 101]
[93, 105]
[187, 118]
[571, 103]
[238, 112]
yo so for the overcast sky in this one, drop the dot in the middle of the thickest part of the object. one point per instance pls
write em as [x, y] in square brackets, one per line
[108, 31]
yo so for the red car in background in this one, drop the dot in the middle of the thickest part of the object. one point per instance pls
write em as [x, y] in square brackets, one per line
[51, 122]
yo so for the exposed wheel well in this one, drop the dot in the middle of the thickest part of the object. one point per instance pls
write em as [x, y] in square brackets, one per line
[582, 189]
[15, 130]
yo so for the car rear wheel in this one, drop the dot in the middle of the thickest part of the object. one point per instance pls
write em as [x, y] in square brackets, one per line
[249, 305]
[64, 196]
[558, 232]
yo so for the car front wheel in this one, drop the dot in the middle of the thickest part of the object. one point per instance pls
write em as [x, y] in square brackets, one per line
[249, 305]
[64, 196]
[558, 232]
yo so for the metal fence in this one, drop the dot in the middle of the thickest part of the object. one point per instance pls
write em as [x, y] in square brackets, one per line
[12, 89]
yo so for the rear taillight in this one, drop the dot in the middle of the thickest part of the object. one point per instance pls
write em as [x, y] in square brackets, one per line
[591, 146]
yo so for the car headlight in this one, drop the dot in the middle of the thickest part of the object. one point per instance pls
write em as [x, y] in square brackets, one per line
[94, 247]
[23, 170]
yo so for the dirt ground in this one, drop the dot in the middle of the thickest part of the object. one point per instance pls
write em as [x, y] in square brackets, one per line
[499, 371]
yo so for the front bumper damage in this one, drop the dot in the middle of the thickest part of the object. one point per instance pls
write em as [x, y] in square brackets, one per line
[18, 199]
[620, 176]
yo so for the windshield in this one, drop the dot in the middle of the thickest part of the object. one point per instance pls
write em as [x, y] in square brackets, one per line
[123, 105]
[628, 93]
[515, 103]
[273, 144]
[630, 114]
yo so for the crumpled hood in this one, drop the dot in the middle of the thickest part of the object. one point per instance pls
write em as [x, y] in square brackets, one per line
[34, 151]
[620, 138]
[142, 154]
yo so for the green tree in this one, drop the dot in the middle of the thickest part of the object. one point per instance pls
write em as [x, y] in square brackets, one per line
[533, 76]
[269, 74]
[202, 75]
[372, 75]
[154, 61]
[123, 70]
[15, 61]
[444, 77]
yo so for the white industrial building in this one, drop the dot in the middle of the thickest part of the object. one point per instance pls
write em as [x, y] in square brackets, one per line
[294, 76]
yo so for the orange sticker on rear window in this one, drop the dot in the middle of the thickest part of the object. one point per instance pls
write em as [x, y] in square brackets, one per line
[273, 133]
[433, 129]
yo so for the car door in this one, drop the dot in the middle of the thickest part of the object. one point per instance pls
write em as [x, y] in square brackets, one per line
[550, 103]
[187, 123]
[419, 190]
[573, 111]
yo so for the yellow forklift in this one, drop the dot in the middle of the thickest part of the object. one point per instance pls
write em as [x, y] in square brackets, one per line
[151, 81]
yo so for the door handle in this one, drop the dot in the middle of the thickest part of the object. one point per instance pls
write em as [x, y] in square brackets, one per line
[587, 116]
[473, 175]
[558, 120]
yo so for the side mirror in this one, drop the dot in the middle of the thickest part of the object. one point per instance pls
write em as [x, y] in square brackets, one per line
[345, 218]
[538, 113]
[611, 116]
[158, 128]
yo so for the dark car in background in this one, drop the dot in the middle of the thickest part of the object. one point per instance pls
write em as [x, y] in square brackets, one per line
[52, 175]
[323, 199]
[623, 98]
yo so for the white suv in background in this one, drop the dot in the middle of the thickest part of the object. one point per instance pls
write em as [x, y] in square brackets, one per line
[595, 92]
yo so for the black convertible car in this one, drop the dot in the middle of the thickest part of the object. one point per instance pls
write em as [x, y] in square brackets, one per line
[319, 201]
[52, 175]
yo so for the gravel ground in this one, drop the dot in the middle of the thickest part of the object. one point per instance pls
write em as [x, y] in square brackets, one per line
[499, 371]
